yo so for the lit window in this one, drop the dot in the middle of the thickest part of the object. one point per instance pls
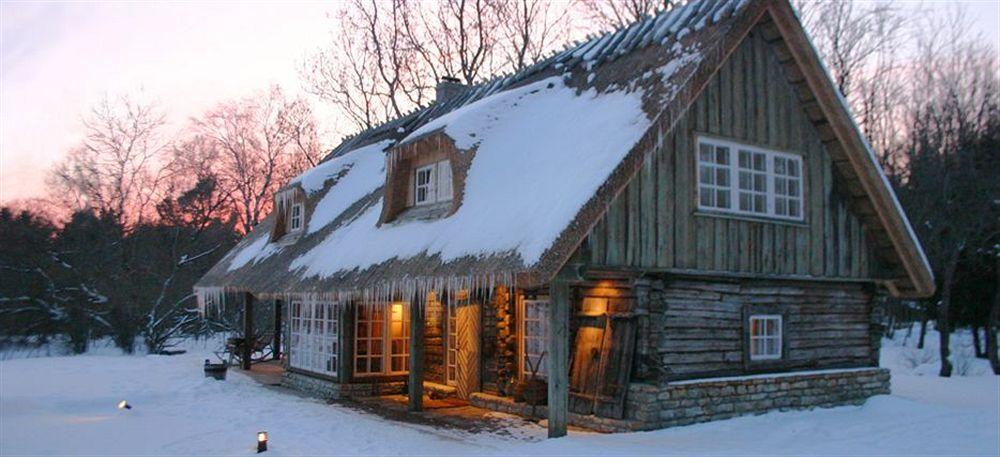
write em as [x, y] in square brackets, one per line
[295, 218]
[381, 339]
[535, 336]
[765, 337]
[432, 183]
[315, 327]
[768, 183]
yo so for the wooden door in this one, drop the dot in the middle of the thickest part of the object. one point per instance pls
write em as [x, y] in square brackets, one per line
[602, 360]
[586, 364]
[616, 367]
[468, 335]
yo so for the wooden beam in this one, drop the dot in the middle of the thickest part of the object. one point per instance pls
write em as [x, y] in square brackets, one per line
[558, 354]
[277, 329]
[247, 349]
[416, 381]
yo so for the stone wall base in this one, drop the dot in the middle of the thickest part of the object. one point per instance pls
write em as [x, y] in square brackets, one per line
[651, 407]
[688, 402]
[332, 390]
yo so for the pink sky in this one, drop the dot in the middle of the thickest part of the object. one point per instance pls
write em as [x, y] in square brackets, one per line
[57, 59]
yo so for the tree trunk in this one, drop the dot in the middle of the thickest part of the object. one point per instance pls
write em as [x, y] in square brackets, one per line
[976, 343]
[993, 328]
[923, 329]
[944, 313]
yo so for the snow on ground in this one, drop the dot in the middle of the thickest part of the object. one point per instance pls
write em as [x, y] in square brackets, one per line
[66, 405]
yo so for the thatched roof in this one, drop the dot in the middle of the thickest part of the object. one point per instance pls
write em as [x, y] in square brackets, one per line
[552, 145]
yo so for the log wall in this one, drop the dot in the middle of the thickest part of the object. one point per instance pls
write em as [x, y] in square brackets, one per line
[698, 328]
[654, 222]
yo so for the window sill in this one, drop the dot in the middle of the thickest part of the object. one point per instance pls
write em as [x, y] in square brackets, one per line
[748, 218]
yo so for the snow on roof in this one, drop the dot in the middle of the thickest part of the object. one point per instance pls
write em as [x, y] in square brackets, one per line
[518, 196]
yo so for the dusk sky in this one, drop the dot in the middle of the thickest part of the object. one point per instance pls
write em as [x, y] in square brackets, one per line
[58, 59]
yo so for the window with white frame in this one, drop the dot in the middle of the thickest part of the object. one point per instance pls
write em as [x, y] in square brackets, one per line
[314, 332]
[432, 183]
[295, 217]
[534, 337]
[765, 337]
[381, 339]
[768, 183]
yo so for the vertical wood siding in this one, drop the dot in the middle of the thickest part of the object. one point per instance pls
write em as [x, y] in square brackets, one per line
[653, 222]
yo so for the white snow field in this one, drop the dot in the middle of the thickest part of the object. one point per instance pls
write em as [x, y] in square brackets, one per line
[66, 406]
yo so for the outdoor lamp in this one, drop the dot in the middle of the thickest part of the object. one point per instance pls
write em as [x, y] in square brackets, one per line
[124, 405]
[261, 441]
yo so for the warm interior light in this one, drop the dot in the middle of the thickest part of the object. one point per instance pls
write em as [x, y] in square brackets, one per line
[261, 441]
[397, 312]
[124, 405]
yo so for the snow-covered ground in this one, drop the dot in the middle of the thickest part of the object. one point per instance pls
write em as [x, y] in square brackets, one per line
[66, 405]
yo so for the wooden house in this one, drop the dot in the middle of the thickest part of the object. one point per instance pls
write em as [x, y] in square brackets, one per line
[673, 222]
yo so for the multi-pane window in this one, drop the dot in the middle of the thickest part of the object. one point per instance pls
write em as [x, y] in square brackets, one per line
[432, 183]
[534, 337]
[714, 188]
[752, 169]
[768, 183]
[314, 332]
[765, 337]
[381, 339]
[787, 187]
[295, 217]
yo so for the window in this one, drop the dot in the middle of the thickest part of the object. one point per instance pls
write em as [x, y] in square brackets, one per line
[432, 183]
[768, 183]
[765, 337]
[295, 218]
[381, 339]
[534, 337]
[315, 327]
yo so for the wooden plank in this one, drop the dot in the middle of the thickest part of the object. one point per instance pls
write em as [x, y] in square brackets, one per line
[469, 323]
[615, 371]
[248, 334]
[586, 364]
[558, 349]
[665, 195]
[415, 387]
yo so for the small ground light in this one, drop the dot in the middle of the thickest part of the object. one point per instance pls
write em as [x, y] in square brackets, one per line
[261, 441]
[124, 405]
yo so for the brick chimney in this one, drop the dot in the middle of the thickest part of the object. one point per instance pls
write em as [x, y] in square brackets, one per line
[448, 88]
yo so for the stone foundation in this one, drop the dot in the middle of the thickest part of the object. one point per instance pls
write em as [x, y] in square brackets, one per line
[688, 402]
[651, 407]
[327, 389]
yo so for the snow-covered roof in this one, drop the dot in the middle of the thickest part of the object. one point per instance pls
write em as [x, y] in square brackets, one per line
[551, 146]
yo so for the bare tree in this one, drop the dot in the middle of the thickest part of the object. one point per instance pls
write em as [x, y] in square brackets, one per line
[371, 70]
[387, 55]
[116, 169]
[612, 14]
[952, 129]
[531, 28]
[258, 144]
[860, 44]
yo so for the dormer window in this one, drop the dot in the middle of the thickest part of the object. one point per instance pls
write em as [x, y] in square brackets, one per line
[290, 214]
[295, 218]
[432, 183]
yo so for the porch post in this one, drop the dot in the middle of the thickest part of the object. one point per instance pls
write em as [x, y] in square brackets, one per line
[416, 381]
[277, 329]
[247, 331]
[558, 354]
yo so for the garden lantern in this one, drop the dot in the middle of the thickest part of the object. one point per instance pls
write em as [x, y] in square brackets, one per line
[261, 441]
